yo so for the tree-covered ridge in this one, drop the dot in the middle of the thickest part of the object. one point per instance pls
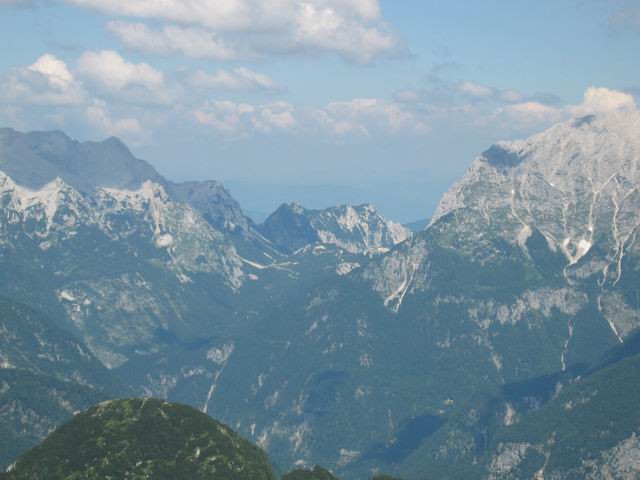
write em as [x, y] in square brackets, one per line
[31, 340]
[581, 423]
[46, 374]
[139, 439]
[143, 439]
[32, 406]
[589, 430]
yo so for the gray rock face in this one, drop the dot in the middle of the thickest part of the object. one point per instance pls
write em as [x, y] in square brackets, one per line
[356, 229]
[37, 158]
[620, 462]
[290, 228]
[574, 187]
[120, 262]
[215, 204]
[30, 342]
[576, 183]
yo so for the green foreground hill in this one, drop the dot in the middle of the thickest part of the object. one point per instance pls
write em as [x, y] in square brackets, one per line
[143, 439]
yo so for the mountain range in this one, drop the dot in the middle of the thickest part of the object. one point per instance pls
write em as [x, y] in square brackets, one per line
[338, 337]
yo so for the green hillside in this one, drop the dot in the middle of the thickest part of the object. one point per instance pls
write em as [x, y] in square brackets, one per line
[46, 374]
[32, 406]
[143, 439]
[576, 424]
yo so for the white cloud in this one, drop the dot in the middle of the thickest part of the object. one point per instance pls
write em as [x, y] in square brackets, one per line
[448, 94]
[223, 30]
[475, 89]
[54, 69]
[325, 29]
[98, 115]
[602, 100]
[113, 94]
[535, 115]
[109, 73]
[48, 81]
[237, 80]
[192, 42]
[529, 114]
[214, 14]
[232, 119]
[62, 99]
[363, 116]
[230, 14]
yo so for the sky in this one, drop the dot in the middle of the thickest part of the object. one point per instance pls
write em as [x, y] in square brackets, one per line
[316, 101]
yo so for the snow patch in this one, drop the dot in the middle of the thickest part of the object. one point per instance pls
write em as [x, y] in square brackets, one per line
[164, 241]
[221, 355]
[66, 296]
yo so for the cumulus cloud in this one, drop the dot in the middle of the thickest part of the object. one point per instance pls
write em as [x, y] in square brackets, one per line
[352, 29]
[469, 105]
[108, 72]
[47, 81]
[62, 98]
[230, 14]
[98, 115]
[537, 115]
[602, 100]
[239, 79]
[112, 94]
[327, 30]
[363, 116]
[192, 42]
[237, 120]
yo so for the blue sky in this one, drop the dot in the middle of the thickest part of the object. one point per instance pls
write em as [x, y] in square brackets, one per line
[318, 101]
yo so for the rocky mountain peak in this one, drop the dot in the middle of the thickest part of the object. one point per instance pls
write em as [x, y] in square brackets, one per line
[356, 229]
[576, 183]
[215, 203]
[290, 228]
[34, 159]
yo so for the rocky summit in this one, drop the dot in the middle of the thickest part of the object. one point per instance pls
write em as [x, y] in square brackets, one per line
[356, 229]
